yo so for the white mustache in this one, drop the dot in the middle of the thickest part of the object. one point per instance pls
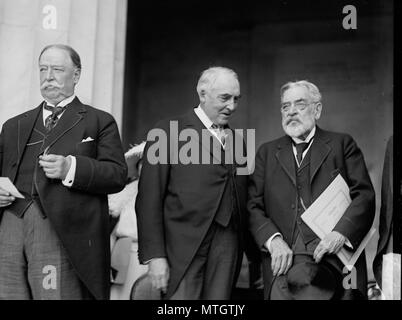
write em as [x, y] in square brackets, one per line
[292, 119]
[47, 85]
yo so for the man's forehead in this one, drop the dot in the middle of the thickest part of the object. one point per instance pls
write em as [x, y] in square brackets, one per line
[55, 55]
[226, 84]
[295, 93]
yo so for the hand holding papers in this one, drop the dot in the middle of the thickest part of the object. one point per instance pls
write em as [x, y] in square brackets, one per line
[7, 185]
[323, 215]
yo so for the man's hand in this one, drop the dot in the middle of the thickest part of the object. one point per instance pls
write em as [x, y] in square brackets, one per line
[5, 198]
[332, 243]
[55, 166]
[158, 270]
[281, 256]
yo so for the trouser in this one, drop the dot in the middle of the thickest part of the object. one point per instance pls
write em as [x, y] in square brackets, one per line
[211, 274]
[33, 261]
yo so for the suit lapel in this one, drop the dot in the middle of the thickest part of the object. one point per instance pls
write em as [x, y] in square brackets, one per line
[25, 127]
[319, 151]
[71, 117]
[305, 161]
[285, 157]
[205, 135]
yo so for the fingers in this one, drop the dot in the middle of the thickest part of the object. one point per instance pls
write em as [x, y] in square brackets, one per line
[5, 198]
[54, 166]
[51, 172]
[49, 163]
[283, 265]
[289, 264]
[330, 244]
[158, 270]
[281, 259]
[320, 250]
[286, 262]
[164, 282]
[160, 282]
[275, 264]
[50, 157]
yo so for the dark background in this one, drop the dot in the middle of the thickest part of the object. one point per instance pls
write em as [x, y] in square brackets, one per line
[169, 43]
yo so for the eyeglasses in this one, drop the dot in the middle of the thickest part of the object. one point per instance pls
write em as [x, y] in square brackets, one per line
[299, 105]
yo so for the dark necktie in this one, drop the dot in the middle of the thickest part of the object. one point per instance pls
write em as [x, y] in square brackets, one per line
[51, 120]
[300, 148]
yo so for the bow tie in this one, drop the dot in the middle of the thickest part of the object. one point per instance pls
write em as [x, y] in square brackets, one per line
[215, 126]
[54, 109]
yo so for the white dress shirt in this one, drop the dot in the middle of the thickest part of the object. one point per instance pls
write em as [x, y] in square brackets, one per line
[218, 133]
[69, 179]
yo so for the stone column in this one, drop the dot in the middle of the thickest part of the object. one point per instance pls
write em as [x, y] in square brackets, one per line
[95, 28]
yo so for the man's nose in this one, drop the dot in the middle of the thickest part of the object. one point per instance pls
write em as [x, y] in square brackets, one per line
[292, 109]
[49, 74]
[231, 104]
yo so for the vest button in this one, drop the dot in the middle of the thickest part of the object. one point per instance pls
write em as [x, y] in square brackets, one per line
[299, 222]
[293, 206]
[299, 187]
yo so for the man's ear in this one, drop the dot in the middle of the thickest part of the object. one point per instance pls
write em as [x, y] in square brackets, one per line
[202, 95]
[77, 75]
[317, 109]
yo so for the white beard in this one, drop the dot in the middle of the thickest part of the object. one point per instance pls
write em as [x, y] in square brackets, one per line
[294, 131]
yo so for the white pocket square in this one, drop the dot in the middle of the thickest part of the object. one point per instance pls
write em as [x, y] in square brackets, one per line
[87, 139]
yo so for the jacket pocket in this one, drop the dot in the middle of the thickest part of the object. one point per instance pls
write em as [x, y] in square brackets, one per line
[86, 149]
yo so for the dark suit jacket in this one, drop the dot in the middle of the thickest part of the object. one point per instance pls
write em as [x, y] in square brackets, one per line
[79, 214]
[273, 197]
[386, 211]
[176, 203]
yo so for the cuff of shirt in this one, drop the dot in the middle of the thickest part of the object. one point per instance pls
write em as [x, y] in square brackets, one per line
[268, 242]
[69, 180]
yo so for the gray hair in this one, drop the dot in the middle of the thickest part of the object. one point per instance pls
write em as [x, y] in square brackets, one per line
[75, 58]
[312, 89]
[209, 76]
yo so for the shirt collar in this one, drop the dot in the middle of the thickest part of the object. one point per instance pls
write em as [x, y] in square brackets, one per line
[63, 102]
[203, 117]
[309, 137]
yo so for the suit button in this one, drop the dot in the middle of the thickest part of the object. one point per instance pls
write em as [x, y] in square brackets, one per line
[293, 206]
[14, 164]
[299, 187]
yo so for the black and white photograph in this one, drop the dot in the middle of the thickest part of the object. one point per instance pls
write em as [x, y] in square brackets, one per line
[219, 152]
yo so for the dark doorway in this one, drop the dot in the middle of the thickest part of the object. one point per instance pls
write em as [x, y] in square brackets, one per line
[267, 43]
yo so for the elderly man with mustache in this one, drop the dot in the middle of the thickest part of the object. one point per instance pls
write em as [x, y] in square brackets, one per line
[290, 173]
[64, 157]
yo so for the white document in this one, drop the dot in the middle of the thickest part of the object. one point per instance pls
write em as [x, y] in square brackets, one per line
[6, 184]
[325, 212]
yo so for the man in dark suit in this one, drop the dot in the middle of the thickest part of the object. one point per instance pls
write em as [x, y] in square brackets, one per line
[190, 213]
[64, 157]
[290, 173]
[385, 242]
